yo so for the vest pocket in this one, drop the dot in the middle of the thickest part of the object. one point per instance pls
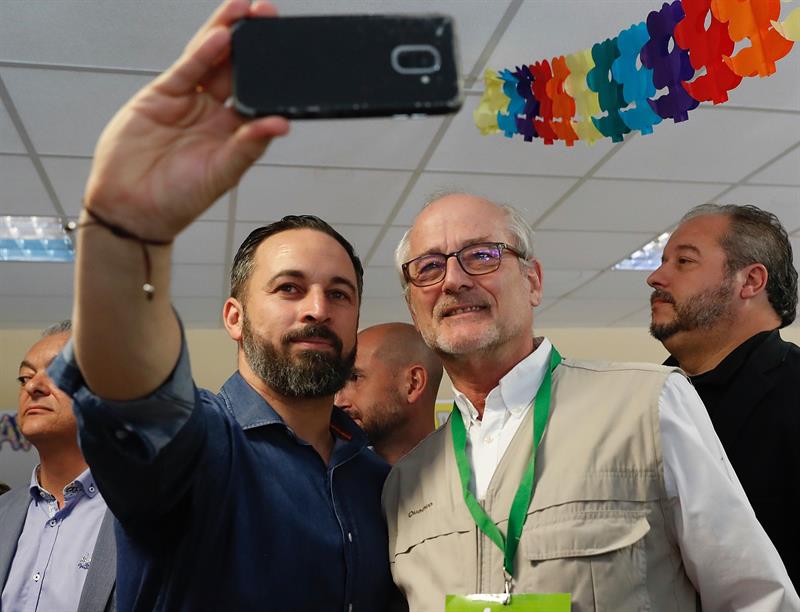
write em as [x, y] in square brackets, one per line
[598, 557]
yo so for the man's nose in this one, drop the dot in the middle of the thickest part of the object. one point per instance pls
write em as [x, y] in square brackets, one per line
[315, 306]
[455, 278]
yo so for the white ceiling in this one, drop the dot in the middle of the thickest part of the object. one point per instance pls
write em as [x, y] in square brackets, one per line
[67, 65]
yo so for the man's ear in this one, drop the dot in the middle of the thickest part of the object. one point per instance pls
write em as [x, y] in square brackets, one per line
[416, 381]
[233, 318]
[533, 272]
[754, 279]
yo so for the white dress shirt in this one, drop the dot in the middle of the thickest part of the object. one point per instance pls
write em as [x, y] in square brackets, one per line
[726, 553]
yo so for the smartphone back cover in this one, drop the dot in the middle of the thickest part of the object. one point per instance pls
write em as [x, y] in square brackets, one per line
[345, 65]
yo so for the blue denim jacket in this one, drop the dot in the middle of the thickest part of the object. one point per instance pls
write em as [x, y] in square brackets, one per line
[222, 507]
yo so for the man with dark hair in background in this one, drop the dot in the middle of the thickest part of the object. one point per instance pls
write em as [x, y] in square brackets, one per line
[726, 285]
[57, 549]
[262, 496]
[391, 393]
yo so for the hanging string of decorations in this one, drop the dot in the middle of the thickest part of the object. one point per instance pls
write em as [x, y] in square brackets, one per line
[658, 69]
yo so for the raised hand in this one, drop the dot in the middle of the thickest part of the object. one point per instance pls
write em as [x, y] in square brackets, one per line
[175, 147]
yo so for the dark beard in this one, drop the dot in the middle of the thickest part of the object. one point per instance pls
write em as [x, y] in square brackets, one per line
[309, 374]
[700, 311]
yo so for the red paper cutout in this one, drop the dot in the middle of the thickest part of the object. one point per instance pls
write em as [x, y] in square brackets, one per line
[563, 103]
[752, 19]
[706, 48]
[541, 76]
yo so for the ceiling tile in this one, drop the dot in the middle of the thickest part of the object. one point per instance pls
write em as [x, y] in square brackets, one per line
[715, 144]
[585, 250]
[556, 283]
[784, 202]
[382, 282]
[338, 196]
[617, 285]
[68, 176]
[396, 143]
[586, 313]
[384, 255]
[22, 191]
[203, 242]
[464, 148]
[38, 312]
[122, 34]
[640, 318]
[64, 112]
[9, 138]
[785, 171]
[198, 281]
[628, 205]
[202, 312]
[779, 90]
[36, 279]
[531, 195]
[547, 28]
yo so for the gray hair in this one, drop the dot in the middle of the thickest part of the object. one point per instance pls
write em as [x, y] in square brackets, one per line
[57, 328]
[757, 236]
[518, 227]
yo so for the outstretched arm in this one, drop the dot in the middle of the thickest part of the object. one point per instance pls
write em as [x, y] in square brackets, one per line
[164, 158]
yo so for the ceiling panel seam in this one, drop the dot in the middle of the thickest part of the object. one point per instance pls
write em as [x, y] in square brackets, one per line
[16, 120]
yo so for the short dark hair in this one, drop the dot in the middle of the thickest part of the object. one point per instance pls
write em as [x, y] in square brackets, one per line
[757, 236]
[243, 262]
[57, 328]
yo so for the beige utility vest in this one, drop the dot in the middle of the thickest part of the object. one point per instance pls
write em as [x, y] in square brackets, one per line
[599, 526]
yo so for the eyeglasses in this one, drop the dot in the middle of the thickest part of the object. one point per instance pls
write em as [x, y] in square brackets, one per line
[474, 259]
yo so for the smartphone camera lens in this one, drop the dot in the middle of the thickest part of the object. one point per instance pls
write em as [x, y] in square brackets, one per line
[416, 59]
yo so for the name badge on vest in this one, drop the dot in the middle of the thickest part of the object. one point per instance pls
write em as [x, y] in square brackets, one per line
[505, 602]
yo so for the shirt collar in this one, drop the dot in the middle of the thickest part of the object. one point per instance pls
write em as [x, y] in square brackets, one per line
[82, 484]
[251, 410]
[516, 389]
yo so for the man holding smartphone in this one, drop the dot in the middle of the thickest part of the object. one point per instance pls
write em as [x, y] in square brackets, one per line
[261, 497]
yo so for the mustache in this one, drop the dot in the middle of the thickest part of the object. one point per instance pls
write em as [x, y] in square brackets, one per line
[312, 331]
[660, 294]
[443, 306]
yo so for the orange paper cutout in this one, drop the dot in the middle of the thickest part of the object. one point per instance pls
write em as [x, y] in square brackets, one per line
[563, 103]
[752, 19]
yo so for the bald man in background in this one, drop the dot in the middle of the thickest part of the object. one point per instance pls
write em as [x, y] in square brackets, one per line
[392, 390]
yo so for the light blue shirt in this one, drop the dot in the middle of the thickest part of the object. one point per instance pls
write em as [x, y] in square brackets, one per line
[54, 550]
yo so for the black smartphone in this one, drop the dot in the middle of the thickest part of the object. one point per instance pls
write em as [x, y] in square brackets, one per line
[345, 66]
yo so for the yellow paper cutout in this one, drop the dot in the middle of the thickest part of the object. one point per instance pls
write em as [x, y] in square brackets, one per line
[587, 102]
[789, 28]
[492, 101]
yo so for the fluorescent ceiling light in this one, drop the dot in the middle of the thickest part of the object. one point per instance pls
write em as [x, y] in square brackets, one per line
[646, 258]
[35, 239]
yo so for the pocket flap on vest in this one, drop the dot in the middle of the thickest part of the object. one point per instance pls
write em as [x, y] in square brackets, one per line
[584, 536]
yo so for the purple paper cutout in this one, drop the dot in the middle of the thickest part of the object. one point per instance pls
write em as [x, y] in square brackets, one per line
[525, 90]
[670, 68]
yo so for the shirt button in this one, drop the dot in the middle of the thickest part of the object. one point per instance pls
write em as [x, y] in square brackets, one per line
[52, 523]
[91, 489]
[121, 434]
[349, 536]
[489, 439]
[36, 577]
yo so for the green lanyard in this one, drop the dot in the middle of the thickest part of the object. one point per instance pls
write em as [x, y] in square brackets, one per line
[522, 499]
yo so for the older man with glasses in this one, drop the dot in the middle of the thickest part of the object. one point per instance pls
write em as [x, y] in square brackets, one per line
[556, 482]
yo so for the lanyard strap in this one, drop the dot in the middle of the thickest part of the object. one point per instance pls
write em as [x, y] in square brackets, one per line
[522, 499]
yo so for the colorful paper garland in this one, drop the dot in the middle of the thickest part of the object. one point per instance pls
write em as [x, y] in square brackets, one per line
[645, 74]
